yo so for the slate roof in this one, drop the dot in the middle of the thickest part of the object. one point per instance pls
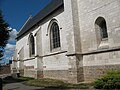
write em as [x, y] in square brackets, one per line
[53, 5]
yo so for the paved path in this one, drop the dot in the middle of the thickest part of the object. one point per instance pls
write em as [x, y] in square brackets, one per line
[20, 86]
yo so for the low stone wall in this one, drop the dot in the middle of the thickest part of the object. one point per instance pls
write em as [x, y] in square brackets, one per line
[57, 74]
[5, 69]
[94, 72]
[80, 75]
[21, 71]
[39, 74]
[30, 73]
[95, 65]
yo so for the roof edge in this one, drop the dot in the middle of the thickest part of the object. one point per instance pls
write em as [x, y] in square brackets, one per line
[52, 6]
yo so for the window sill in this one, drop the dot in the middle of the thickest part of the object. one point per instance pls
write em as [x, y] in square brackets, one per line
[55, 50]
[54, 53]
[32, 56]
[104, 44]
[104, 39]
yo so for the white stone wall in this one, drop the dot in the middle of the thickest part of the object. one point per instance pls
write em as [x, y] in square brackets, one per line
[89, 11]
[99, 56]
[56, 62]
[58, 59]
[78, 39]
[46, 35]
[32, 62]
[101, 59]
[24, 43]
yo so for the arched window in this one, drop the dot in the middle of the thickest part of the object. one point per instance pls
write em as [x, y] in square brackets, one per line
[54, 36]
[101, 27]
[32, 45]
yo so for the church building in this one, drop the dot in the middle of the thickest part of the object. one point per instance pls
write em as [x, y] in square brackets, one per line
[70, 40]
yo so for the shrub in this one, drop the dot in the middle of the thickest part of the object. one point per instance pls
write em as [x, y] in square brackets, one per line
[109, 81]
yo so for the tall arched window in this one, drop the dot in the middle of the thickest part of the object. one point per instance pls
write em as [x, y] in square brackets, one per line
[101, 27]
[32, 45]
[54, 36]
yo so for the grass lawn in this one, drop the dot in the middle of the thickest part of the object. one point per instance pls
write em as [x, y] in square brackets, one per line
[45, 83]
[51, 83]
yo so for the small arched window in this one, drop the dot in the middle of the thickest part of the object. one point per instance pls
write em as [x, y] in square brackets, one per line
[31, 45]
[54, 36]
[101, 27]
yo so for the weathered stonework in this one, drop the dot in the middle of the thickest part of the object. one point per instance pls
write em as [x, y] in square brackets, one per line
[56, 74]
[21, 71]
[92, 73]
[97, 64]
[30, 73]
[83, 56]
[5, 69]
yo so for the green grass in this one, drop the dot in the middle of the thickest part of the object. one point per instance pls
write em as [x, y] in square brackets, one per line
[45, 83]
[21, 79]
[51, 83]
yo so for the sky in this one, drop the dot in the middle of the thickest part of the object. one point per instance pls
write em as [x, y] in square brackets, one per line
[16, 12]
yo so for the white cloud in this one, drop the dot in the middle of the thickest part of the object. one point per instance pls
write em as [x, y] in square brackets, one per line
[10, 47]
[9, 28]
[9, 51]
[13, 35]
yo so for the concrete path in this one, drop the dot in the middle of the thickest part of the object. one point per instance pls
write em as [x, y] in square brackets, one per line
[20, 86]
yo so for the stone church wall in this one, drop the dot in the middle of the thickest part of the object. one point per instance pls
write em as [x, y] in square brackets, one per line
[99, 56]
[81, 54]
[46, 63]
[89, 11]
[56, 66]
[96, 65]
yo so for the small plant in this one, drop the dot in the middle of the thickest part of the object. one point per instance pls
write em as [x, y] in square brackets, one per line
[109, 81]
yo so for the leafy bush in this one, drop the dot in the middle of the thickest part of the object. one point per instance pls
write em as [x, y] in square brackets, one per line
[109, 81]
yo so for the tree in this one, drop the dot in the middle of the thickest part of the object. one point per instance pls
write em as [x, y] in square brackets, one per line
[4, 34]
